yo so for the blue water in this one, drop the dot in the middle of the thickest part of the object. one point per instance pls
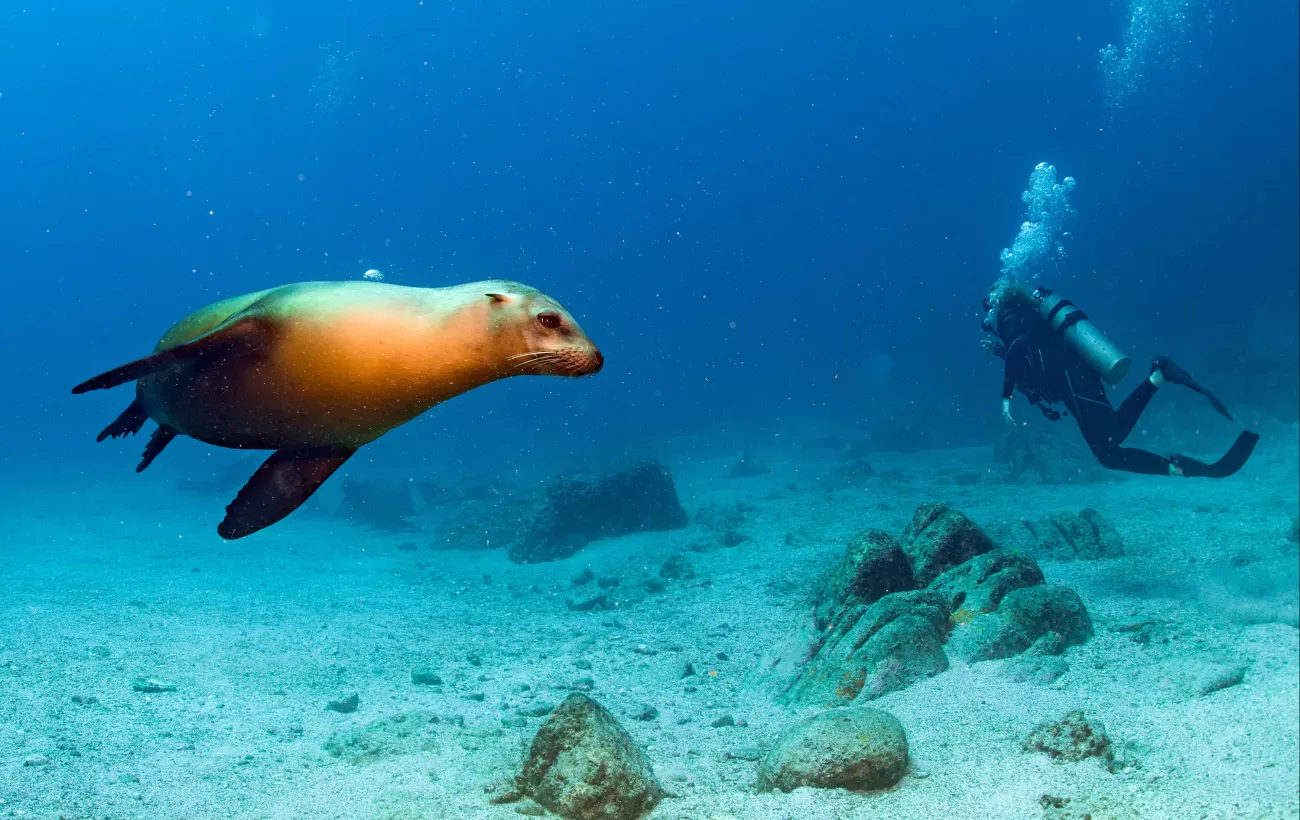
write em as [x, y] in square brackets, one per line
[774, 219]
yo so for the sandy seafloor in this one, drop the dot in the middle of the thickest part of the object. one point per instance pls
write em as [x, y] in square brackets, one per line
[101, 586]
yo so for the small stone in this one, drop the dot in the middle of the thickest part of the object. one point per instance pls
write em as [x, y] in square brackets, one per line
[476, 696]
[514, 721]
[595, 604]
[744, 753]
[530, 809]
[688, 669]
[723, 656]
[731, 538]
[36, 760]
[584, 684]
[725, 720]
[642, 649]
[346, 705]
[421, 676]
[537, 710]
[582, 663]
[654, 586]
[647, 713]
[85, 700]
[677, 568]
[152, 685]
[583, 578]
[608, 582]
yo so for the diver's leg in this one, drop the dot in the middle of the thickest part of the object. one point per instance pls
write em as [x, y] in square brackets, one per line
[1127, 415]
[1104, 428]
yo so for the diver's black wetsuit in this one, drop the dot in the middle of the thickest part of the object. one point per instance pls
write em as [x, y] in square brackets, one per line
[1043, 367]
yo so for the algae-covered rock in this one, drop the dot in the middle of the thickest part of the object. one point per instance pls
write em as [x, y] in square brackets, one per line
[870, 651]
[1040, 610]
[405, 733]
[1071, 739]
[583, 765]
[858, 749]
[979, 585]
[873, 566]
[939, 538]
[1086, 536]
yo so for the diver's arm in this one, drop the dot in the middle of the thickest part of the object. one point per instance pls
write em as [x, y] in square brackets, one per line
[1015, 361]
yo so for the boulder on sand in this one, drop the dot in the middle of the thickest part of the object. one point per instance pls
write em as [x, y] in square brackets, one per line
[858, 749]
[583, 765]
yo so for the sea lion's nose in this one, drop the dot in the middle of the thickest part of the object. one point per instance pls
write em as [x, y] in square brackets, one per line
[597, 361]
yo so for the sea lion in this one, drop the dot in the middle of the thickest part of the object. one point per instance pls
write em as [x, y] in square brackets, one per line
[318, 369]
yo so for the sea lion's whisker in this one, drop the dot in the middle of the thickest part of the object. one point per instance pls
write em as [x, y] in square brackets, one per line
[531, 353]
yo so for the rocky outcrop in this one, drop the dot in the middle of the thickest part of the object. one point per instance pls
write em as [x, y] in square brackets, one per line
[583, 765]
[577, 511]
[939, 538]
[1085, 536]
[873, 627]
[378, 505]
[857, 749]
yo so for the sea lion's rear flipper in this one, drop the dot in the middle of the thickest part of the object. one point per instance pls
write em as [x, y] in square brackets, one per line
[280, 486]
[238, 330]
[160, 439]
[126, 424]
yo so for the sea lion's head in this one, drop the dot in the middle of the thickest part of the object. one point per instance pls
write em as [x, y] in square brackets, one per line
[539, 336]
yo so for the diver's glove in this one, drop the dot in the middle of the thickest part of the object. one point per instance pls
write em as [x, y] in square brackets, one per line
[1006, 413]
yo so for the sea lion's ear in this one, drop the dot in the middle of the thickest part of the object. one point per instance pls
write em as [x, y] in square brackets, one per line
[498, 298]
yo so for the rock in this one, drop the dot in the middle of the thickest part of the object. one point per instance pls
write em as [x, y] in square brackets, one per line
[872, 566]
[503, 790]
[85, 700]
[583, 578]
[36, 761]
[583, 765]
[858, 749]
[594, 604]
[731, 538]
[1039, 610]
[607, 582]
[401, 734]
[378, 505]
[654, 586]
[514, 721]
[1086, 536]
[576, 512]
[687, 670]
[725, 720]
[979, 585]
[152, 685]
[495, 519]
[537, 710]
[346, 705]
[421, 676]
[744, 753]
[677, 568]
[647, 713]
[871, 651]
[1072, 738]
[939, 538]
[1216, 679]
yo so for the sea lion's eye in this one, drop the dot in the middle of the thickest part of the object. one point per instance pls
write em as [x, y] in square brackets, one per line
[549, 320]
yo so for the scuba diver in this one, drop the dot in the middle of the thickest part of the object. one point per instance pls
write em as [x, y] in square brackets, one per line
[1055, 355]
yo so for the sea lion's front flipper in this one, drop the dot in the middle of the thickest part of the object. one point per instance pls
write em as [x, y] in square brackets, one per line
[238, 330]
[280, 486]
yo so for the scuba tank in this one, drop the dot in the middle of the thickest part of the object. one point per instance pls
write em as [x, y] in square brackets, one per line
[1081, 335]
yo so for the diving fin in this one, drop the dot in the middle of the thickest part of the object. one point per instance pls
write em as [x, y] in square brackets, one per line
[1231, 462]
[1177, 375]
[280, 486]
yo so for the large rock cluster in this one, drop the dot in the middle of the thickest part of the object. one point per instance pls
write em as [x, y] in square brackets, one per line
[578, 511]
[891, 613]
